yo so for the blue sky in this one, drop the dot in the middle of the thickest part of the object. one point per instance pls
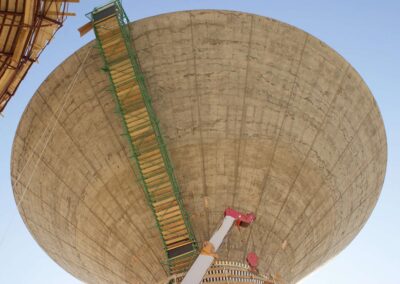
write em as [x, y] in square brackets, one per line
[365, 32]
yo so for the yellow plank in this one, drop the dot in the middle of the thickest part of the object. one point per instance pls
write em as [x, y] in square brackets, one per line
[180, 244]
[173, 225]
[176, 234]
[175, 229]
[151, 154]
[165, 217]
[176, 240]
[156, 204]
[157, 179]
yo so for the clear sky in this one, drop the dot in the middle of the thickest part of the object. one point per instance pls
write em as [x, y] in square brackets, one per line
[365, 32]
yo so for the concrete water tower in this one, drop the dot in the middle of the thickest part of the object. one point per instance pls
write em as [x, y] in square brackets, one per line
[175, 118]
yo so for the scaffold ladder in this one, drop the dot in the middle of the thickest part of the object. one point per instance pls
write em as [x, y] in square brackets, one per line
[150, 157]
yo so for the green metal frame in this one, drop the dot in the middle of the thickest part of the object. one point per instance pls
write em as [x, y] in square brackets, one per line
[124, 27]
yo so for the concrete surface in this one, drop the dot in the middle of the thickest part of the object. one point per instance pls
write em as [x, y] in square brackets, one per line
[257, 115]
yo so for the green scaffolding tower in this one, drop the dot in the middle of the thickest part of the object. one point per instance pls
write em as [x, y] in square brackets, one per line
[150, 157]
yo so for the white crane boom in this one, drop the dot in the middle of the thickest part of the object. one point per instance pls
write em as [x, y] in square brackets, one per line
[208, 253]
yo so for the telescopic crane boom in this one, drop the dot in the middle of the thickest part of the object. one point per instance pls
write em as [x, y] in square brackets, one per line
[208, 253]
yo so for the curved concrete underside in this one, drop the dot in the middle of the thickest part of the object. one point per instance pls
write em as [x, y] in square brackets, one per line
[256, 114]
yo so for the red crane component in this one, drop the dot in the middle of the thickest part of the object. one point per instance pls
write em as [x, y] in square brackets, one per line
[252, 261]
[242, 220]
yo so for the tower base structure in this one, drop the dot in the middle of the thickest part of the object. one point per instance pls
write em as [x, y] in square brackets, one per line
[224, 272]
